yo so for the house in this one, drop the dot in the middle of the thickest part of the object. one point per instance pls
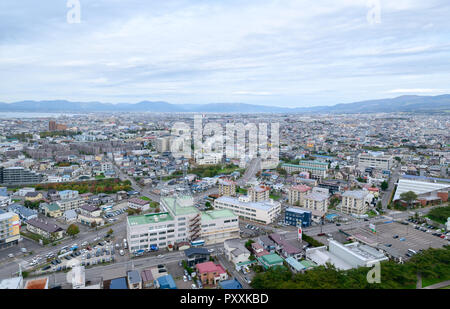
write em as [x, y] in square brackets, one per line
[270, 260]
[166, 282]
[50, 210]
[210, 273]
[70, 215]
[33, 196]
[285, 248]
[294, 265]
[196, 255]
[235, 251]
[147, 279]
[258, 250]
[44, 228]
[23, 212]
[137, 203]
[134, 280]
[232, 284]
[267, 243]
[90, 210]
[5, 200]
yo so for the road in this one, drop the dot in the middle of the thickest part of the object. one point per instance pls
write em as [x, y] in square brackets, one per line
[392, 181]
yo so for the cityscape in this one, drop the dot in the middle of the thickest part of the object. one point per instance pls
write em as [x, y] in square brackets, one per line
[178, 192]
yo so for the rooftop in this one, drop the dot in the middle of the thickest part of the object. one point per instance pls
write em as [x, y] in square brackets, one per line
[149, 218]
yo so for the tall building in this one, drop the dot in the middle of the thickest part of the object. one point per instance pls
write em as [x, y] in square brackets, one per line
[316, 201]
[180, 221]
[356, 202]
[227, 187]
[259, 193]
[9, 229]
[297, 193]
[162, 144]
[377, 160]
[18, 176]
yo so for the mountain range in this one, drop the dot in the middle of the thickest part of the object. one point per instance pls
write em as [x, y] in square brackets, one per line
[410, 103]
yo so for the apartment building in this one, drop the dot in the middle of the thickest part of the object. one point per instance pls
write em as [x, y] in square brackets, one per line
[264, 212]
[227, 187]
[9, 229]
[71, 203]
[259, 193]
[297, 193]
[18, 176]
[317, 170]
[45, 229]
[356, 202]
[162, 144]
[179, 222]
[316, 201]
[377, 160]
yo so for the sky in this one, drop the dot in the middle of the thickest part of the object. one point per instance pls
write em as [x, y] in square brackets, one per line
[290, 53]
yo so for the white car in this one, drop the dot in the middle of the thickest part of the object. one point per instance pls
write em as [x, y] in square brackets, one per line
[211, 250]
[121, 252]
[184, 279]
[11, 255]
[160, 256]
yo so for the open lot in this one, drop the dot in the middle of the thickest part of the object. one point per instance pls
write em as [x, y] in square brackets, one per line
[413, 239]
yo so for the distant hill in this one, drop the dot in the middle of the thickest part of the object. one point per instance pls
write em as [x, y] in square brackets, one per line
[399, 104]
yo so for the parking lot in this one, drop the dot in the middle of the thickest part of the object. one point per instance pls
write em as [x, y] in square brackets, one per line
[400, 237]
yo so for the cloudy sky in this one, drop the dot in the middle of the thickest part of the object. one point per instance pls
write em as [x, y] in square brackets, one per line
[268, 52]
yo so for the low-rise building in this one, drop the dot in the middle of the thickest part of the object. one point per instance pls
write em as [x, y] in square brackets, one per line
[227, 187]
[196, 255]
[316, 201]
[211, 273]
[51, 210]
[235, 251]
[139, 204]
[24, 213]
[45, 229]
[346, 256]
[297, 217]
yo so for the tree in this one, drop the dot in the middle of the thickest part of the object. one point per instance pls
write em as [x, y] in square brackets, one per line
[73, 230]
[384, 185]
[408, 197]
[110, 232]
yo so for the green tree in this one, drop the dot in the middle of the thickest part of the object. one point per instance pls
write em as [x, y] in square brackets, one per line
[384, 185]
[408, 197]
[73, 230]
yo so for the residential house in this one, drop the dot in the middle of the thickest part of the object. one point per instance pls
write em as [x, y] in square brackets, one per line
[211, 273]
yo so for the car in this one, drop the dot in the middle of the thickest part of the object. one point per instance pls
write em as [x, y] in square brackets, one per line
[388, 245]
[121, 252]
[162, 270]
[211, 250]
[338, 224]
[402, 239]
[442, 236]
[184, 278]
[10, 255]
[46, 268]
[160, 256]
[160, 266]
[395, 236]
[365, 219]
[58, 261]
[193, 286]
[189, 277]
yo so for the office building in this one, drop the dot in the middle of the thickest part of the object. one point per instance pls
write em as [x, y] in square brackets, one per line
[297, 217]
[264, 212]
[376, 160]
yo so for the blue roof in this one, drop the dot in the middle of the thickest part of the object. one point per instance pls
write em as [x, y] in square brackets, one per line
[21, 210]
[295, 264]
[118, 284]
[232, 284]
[166, 282]
[331, 216]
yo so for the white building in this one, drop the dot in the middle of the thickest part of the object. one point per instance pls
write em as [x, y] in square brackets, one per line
[345, 257]
[180, 221]
[263, 212]
[377, 160]
[235, 251]
[356, 202]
